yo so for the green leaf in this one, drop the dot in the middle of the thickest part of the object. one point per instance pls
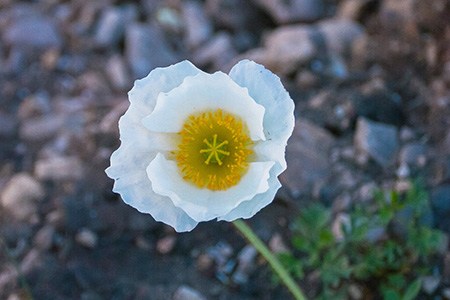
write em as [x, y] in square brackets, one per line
[413, 290]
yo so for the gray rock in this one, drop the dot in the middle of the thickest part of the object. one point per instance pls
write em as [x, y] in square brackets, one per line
[377, 140]
[285, 49]
[430, 284]
[87, 238]
[446, 293]
[43, 239]
[339, 34]
[118, 73]
[414, 154]
[111, 25]
[307, 156]
[198, 27]
[21, 195]
[232, 14]
[166, 244]
[34, 31]
[146, 49]
[8, 125]
[59, 168]
[40, 128]
[293, 11]
[440, 201]
[185, 292]
[246, 263]
[218, 51]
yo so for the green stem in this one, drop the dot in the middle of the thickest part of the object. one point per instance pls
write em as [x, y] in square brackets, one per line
[250, 235]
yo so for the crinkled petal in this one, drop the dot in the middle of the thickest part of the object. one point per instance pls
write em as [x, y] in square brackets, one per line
[139, 146]
[248, 209]
[204, 204]
[266, 89]
[201, 93]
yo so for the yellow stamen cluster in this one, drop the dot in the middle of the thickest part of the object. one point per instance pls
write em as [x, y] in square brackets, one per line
[214, 150]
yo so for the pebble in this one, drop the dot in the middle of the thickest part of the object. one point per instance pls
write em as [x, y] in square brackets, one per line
[34, 31]
[86, 238]
[8, 125]
[246, 263]
[232, 14]
[440, 201]
[146, 48]
[21, 195]
[198, 27]
[40, 128]
[288, 47]
[339, 34]
[118, 73]
[185, 292]
[166, 244]
[111, 25]
[446, 293]
[293, 11]
[341, 224]
[277, 245]
[43, 238]
[414, 154]
[307, 156]
[219, 51]
[59, 168]
[378, 140]
[430, 284]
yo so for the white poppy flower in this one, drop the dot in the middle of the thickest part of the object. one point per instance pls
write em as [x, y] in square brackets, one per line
[198, 146]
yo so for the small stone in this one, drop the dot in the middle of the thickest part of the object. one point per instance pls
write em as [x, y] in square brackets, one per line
[430, 284]
[288, 47]
[218, 50]
[185, 292]
[413, 154]
[8, 125]
[34, 106]
[293, 11]
[111, 25]
[20, 196]
[246, 263]
[446, 293]
[440, 201]
[307, 154]
[377, 140]
[34, 31]
[277, 245]
[146, 49]
[166, 244]
[232, 14]
[403, 171]
[118, 73]
[198, 27]
[40, 128]
[31, 261]
[87, 238]
[59, 168]
[44, 237]
[339, 34]
[341, 224]
[204, 262]
[355, 292]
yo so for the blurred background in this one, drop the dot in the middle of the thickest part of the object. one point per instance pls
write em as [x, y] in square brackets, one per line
[371, 83]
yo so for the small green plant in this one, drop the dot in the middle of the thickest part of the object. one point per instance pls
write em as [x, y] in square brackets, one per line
[383, 247]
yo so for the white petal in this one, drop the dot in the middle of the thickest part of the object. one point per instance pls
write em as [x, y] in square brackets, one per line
[266, 89]
[204, 204]
[139, 146]
[205, 92]
[248, 209]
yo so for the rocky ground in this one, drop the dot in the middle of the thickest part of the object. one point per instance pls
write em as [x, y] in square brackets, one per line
[371, 83]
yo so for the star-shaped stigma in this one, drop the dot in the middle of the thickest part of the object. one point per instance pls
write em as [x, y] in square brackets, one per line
[214, 151]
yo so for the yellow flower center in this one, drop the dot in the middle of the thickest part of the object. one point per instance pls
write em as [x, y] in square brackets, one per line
[214, 150]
